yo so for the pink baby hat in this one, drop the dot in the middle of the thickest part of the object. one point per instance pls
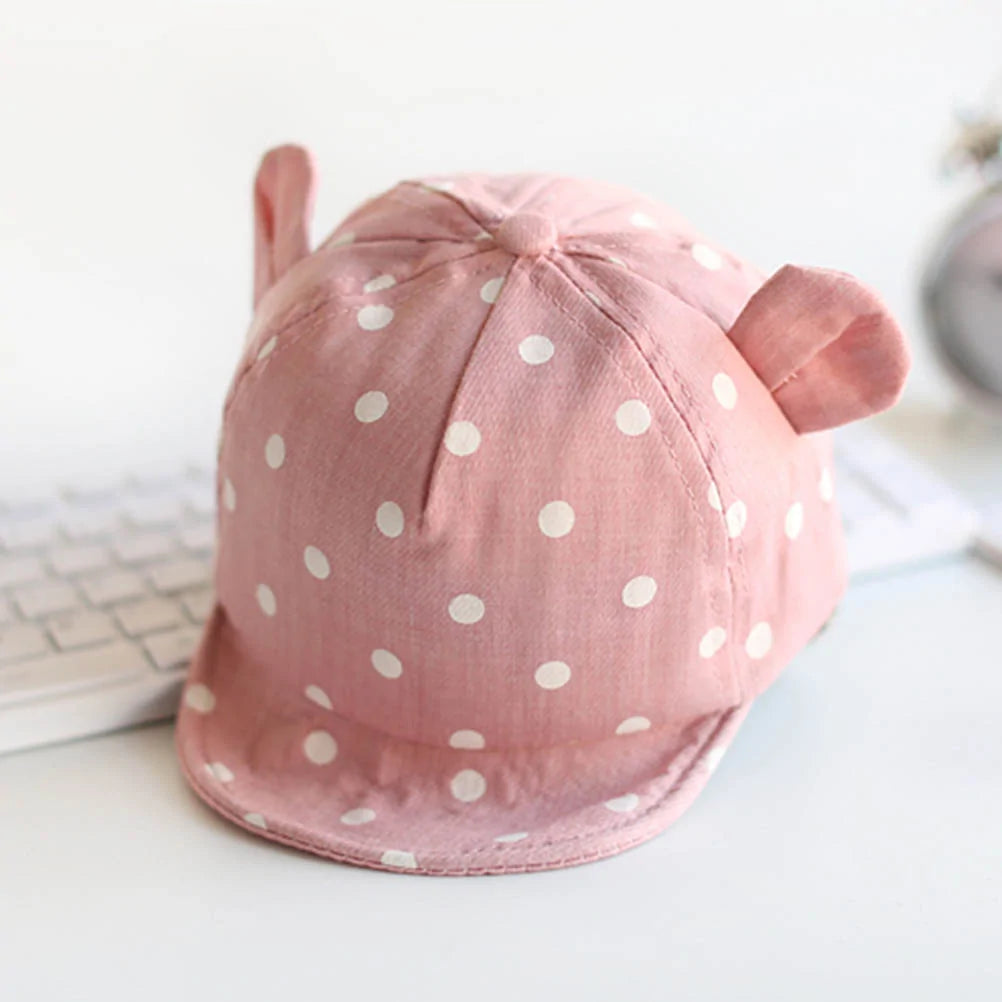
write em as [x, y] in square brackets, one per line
[524, 495]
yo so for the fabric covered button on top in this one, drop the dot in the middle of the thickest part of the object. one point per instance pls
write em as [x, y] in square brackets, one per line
[526, 234]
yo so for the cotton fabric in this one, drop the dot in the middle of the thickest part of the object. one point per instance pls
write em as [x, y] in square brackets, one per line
[511, 533]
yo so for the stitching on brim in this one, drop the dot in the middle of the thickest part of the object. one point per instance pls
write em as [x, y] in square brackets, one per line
[630, 821]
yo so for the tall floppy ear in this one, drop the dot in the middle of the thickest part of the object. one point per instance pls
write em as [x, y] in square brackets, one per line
[283, 205]
[824, 345]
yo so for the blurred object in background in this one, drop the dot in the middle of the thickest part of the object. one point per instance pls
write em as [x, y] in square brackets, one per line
[962, 284]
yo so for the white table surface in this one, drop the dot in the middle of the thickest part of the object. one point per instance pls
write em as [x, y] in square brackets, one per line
[849, 845]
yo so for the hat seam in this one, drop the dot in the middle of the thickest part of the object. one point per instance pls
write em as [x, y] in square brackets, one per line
[671, 288]
[451, 407]
[254, 364]
[362, 212]
[447, 194]
[733, 547]
[694, 503]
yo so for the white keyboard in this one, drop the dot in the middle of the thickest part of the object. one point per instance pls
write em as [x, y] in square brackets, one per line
[102, 597]
[895, 510]
[103, 593]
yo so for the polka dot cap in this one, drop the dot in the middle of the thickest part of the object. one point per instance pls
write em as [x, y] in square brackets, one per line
[517, 512]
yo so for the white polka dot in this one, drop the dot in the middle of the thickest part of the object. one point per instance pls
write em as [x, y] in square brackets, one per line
[317, 695]
[591, 295]
[229, 495]
[627, 802]
[794, 520]
[470, 740]
[468, 785]
[725, 391]
[707, 257]
[268, 347]
[512, 837]
[400, 858]
[759, 641]
[343, 239]
[199, 698]
[553, 675]
[826, 486]
[556, 518]
[379, 283]
[633, 417]
[219, 772]
[736, 519]
[390, 519]
[274, 451]
[358, 816]
[374, 317]
[536, 349]
[633, 724]
[713, 498]
[642, 220]
[317, 563]
[371, 406]
[466, 609]
[712, 641]
[491, 288]
[388, 665]
[320, 747]
[639, 591]
[713, 757]
[266, 599]
[462, 438]
[257, 820]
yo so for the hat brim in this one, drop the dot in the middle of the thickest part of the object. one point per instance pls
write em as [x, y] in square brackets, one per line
[388, 803]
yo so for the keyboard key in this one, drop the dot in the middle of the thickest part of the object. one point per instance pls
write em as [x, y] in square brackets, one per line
[179, 575]
[153, 511]
[148, 615]
[20, 641]
[46, 598]
[113, 586]
[77, 559]
[173, 649]
[20, 570]
[143, 546]
[81, 628]
[70, 670]
[94, 523]
[199, 538]
[27, 533]
[198, 604]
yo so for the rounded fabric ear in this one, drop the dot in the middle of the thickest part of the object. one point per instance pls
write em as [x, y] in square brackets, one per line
[824, 345]
[283, 206]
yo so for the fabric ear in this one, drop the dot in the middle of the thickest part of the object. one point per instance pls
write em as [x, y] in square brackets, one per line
[283, 206]
[824, 345]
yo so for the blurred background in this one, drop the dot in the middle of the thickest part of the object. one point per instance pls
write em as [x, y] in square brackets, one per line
[802, 132]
